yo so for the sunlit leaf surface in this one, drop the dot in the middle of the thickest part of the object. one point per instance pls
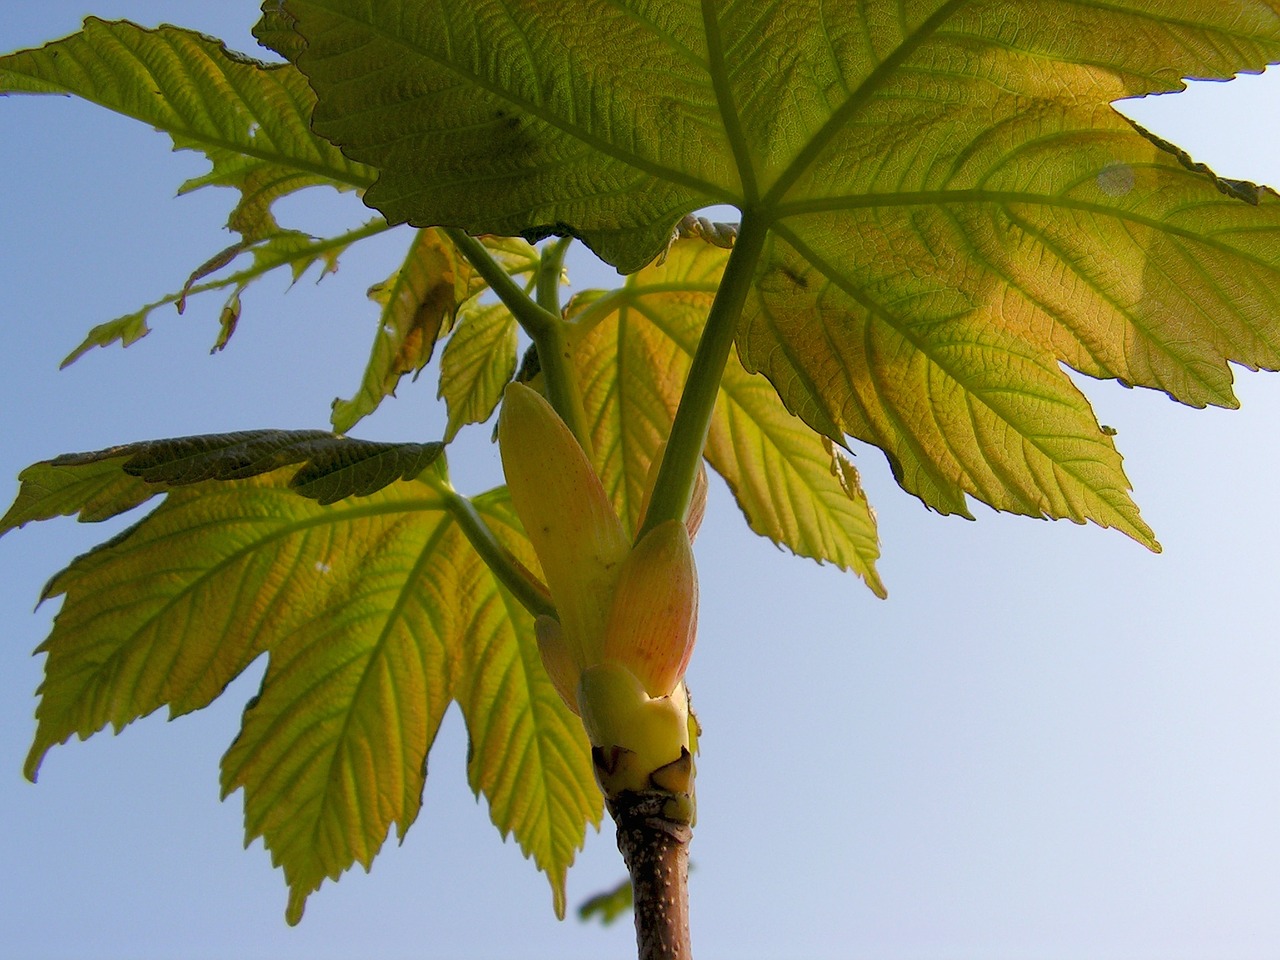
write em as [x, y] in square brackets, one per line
[956, 210]
[476, 364]
[375, 614]
[634, 347]
[249, 118]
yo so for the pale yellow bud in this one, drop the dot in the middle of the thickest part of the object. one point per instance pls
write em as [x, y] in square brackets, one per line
[653, 620]
[566, 514]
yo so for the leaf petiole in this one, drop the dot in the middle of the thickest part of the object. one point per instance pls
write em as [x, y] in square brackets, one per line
[551, 273]
[545, 328]
[511, 573]
[673, 487]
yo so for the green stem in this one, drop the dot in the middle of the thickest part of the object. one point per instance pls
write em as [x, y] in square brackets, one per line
[511, 573]
[673, 488]
[546, 329]
[550, 271]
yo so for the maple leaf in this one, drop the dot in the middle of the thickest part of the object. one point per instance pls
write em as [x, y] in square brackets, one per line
[954, 210]
[420, 303]
[633, 348]
[251, 119]
[375, 613]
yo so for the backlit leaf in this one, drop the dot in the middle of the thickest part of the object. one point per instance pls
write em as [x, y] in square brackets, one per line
[375, 614]
[955, 209]
[476, 364]
[634, 347]
[501, 667]
[287, 249]
[97, 490]
[275, 30]
[250, 119]
[419, 302]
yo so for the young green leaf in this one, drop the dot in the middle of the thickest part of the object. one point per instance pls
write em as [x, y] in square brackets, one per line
[252, 120]
[94, 490]
[375, 614]
[633, 348]
[419, 303]
[287, 249]
[477, 362]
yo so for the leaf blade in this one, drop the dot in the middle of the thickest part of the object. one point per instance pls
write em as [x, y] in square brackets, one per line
[549, 812]
[477, 362]
[375, 613]
[967, 130]
[511, 113]
[634, 349]
[250, 119]
[420, 302]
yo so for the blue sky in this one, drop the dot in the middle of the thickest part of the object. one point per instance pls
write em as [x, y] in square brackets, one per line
[1047, 743]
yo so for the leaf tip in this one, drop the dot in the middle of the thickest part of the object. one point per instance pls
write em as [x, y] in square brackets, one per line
[297, 905]
[558, 897]
[35, 757]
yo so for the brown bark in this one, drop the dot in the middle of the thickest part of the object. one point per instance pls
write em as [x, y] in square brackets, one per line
[654, 835]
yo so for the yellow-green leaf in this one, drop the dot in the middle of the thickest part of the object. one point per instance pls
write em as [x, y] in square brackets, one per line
[98, 490]
[375, 614]
[252, 120]
[419, 302]
[249, 118]
[955, 210]
[501, 668]
[274, 30]
[477, 362]
[287, 249]
[634, 348]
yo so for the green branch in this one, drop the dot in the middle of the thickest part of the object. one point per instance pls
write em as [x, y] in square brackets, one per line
[545, 328]
[673, 488]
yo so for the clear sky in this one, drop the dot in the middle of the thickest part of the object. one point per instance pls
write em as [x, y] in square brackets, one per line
[1047, 742]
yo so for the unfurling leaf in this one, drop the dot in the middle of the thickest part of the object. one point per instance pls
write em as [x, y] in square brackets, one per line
[653, 620]
[577, 537]
[420, 303]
